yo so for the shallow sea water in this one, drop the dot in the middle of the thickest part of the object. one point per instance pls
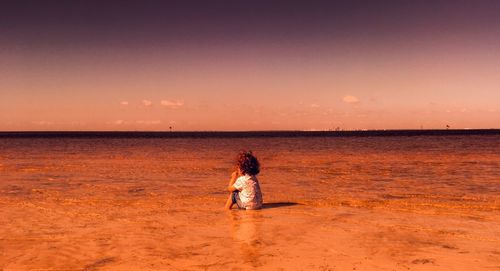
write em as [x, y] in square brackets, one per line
[324, 170]
[155, 203]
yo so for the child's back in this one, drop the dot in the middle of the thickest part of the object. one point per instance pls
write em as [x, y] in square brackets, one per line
[250, 194]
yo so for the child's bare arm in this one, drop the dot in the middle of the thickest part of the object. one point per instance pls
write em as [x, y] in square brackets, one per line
[234, 176]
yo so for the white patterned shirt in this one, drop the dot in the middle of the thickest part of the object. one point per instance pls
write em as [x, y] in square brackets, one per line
[250, 194]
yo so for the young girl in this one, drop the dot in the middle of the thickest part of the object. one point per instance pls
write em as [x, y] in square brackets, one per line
[244, 186]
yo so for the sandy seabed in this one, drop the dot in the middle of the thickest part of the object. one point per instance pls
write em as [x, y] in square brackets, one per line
[386, 203]
[145, 231]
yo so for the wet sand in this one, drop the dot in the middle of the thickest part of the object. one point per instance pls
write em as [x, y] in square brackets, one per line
[422, 203]
[49, 231]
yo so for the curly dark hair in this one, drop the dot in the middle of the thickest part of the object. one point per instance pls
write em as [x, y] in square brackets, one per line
[247, 163]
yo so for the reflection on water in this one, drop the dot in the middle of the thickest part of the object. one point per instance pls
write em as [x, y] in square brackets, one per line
[246, 232]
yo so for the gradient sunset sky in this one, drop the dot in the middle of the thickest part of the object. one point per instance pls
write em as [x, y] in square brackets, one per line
[249, 65]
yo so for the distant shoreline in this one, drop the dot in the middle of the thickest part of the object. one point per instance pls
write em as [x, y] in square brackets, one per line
[243, 134]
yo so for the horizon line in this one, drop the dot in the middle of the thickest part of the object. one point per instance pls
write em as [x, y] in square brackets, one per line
[237, 134]
[243, 131]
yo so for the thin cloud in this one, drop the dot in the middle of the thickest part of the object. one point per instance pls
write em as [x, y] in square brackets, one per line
[174, 104]
[314, 105]
[350, 99]
[147, 102]
[124, 103]
[43, 122]
[118, 122]
[149, 122]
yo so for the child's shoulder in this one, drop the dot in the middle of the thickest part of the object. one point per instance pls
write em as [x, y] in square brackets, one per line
[247, 177]
[252, 177]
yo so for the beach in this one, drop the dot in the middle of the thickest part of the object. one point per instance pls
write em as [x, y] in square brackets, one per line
[375, 127]
[368, 203]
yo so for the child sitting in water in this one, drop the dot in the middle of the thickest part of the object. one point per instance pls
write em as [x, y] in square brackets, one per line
[244, 186]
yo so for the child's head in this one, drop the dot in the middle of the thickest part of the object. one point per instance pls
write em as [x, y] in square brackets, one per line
[247, 163]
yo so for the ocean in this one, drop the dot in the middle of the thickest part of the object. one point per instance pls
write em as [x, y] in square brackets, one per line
[150, 201]
[323, 170]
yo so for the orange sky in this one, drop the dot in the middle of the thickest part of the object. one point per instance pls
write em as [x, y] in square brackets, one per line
[257, 74]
